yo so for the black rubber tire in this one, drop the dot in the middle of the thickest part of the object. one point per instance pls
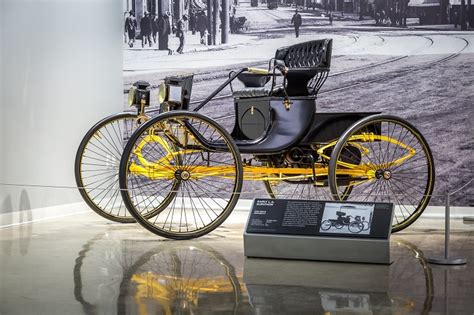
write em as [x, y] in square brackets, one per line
[397, 174]
[175, 117]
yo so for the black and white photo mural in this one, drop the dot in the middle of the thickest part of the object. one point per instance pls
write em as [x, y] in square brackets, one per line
[413, 59]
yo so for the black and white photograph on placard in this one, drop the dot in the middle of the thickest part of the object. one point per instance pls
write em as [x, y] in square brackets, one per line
[347, 218]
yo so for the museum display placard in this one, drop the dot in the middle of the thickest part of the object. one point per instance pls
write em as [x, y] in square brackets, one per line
[319, 230]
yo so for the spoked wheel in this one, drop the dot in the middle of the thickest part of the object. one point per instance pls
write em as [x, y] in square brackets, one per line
[193, 150]
[180, 279]
[326, 225]
[356, 227]
[394, 165]
[97, 164]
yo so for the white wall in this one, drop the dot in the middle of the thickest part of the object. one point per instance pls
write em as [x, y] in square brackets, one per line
[61, 71]
[2, 132]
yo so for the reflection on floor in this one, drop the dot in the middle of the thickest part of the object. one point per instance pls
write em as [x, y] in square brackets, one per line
[83, 264]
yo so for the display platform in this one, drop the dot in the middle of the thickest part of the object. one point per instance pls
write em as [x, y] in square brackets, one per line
[329, 275]
[319, 230]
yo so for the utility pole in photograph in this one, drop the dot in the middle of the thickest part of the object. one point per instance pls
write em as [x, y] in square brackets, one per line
[225, 22]
[215, 20]
[469, 14]
[405, 10]
[463, 15]
[444, 11]
[209, 22]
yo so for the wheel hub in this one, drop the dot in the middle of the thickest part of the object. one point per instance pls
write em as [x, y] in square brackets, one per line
[182, 175]
[385, 174]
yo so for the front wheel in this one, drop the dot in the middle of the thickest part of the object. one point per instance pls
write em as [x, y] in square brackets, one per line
[394, 165]
[193, 150]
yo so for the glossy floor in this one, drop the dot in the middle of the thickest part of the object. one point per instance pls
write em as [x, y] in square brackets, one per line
[82, 264]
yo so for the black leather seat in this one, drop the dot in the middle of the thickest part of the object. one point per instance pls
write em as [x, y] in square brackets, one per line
[307, 66]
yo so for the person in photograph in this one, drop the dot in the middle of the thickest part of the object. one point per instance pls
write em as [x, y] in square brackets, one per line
[296, 20]
[202, 26]
[164, 31]
[125, 34]
[131, 27]
[192, 22]
[180, 28]
[154, 27]
[145, 29]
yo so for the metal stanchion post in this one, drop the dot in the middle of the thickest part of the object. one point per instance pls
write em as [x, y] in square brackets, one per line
[447, 260]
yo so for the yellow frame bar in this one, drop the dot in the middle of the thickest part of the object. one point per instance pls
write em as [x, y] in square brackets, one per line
[162, 169]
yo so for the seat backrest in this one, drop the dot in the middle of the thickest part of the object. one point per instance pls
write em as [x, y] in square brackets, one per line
[308, 66]
[312, 54]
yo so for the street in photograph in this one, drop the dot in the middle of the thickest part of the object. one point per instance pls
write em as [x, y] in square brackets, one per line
[413, 60]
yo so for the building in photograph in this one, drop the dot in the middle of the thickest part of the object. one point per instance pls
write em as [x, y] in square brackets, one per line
[459, 8]
[428, 11]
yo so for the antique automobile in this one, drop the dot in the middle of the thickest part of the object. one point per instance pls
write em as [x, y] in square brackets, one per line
[180, 173]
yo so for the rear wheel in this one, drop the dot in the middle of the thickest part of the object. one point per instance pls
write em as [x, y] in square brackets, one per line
[96, 167]
[97, 162]
[395, 165]
[193, 150]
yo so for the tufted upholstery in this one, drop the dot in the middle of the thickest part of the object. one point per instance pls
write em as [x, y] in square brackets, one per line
[251, 92]
[308, 66]
[312, 54]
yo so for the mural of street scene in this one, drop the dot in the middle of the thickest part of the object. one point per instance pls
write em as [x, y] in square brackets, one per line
[412, 59]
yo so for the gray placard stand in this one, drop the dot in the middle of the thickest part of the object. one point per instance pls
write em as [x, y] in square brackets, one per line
[330, 275]
[323, 248]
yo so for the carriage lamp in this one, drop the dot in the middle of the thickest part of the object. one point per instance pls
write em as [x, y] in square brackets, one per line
[139, 94]
[162, 93]
[175, 92]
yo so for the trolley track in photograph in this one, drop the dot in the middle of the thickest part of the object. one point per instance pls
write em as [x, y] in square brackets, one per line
[358, 82]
